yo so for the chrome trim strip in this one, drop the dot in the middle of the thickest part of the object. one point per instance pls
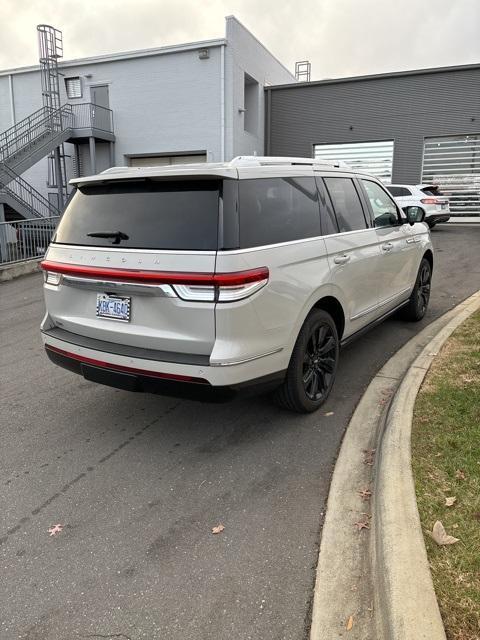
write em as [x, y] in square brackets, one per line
[160, 290]
[232, 363]
[230, 252]
[121, 250]
[378, 306]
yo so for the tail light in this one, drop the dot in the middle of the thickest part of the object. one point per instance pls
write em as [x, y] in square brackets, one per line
[199, 287]
[431, 201]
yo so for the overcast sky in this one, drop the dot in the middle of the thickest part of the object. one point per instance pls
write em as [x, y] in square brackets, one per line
[339, 37]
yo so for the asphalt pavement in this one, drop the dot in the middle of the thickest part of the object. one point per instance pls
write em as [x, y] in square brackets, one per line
[138, 481]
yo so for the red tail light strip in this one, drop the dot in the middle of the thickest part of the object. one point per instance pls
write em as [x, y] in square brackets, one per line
[432, 201]
[158, 277]
[118, 367]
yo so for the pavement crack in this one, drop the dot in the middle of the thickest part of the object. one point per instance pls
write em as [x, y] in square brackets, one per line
[107, 636]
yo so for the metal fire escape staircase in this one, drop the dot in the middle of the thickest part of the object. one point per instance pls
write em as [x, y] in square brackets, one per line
[44, 132]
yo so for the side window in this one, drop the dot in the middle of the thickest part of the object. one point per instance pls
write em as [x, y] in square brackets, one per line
[398, 192]
[384, 209]
[277, 210]
[328, 221]
[347, 205]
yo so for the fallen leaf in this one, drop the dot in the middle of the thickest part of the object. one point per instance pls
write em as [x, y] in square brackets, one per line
[362, 525]
[369, 454]
[460, 474]
[55, 529]
[440, 536]
[218, 529]
[365, 494]
[449, 502]
[455, 526]
[349, 623]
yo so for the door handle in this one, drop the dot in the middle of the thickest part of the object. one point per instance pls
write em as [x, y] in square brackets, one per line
[410, 240]
[341, 259]
[388, 246]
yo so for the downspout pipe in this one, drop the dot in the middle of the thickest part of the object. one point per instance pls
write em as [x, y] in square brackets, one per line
[12, 100]
[222, 103]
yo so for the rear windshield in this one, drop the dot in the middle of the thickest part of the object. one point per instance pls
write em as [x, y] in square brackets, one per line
[143, 215]
[431, 191]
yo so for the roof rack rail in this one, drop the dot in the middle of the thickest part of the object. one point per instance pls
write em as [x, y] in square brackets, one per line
[265, 161]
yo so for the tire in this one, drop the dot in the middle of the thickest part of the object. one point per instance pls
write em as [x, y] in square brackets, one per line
[313, 365]
[420, 296]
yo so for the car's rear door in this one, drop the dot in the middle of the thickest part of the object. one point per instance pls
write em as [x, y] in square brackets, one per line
[353, 253]
[125, 247]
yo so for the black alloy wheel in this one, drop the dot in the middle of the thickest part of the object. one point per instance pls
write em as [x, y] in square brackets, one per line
[313, 365]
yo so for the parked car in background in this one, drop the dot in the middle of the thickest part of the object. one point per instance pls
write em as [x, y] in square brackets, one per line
[207, 278]
[426, 196]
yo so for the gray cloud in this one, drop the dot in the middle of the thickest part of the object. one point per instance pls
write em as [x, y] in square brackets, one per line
[339, 37]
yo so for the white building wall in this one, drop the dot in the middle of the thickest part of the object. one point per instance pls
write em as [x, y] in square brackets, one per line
[246, 54]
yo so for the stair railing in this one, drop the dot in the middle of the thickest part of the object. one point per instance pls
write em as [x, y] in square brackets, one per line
[43, 122]
[27, 196]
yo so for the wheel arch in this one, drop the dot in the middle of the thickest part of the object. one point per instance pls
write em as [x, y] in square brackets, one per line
[331, 305]
[428, 255]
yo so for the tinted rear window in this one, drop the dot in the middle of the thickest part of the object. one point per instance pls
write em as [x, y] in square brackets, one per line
[347, 205]
[398, 192]
[144, 215]
[274, 210]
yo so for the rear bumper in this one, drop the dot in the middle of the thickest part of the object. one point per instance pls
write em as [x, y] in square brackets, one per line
[164, 378]
[435, 218]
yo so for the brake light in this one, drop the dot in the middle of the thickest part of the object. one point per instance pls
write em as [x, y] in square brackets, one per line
[431, 201]
[200, 287]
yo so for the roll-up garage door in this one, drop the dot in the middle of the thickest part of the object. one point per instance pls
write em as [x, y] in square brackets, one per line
[374, 158]
[160, 161]
[453, 163]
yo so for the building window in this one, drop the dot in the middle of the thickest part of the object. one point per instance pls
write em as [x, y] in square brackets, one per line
[250, 92]
[374, 158]
[73, 87]
[453, 165]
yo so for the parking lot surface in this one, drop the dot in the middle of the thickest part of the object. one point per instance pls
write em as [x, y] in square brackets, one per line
[138, 481]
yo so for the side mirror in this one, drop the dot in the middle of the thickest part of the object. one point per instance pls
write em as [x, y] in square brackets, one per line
[414, 214]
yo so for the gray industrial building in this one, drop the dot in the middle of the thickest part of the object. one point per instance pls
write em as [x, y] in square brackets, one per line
[407, 128]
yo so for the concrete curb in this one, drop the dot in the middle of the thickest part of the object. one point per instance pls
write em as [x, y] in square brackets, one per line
[354, 579]
[17, 269]
[405, 600]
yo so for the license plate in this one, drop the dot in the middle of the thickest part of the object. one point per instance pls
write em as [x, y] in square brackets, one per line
[113, 307]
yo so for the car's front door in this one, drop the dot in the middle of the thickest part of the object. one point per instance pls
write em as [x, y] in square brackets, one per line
[397, 245]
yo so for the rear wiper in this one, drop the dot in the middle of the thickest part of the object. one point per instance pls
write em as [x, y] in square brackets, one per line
[116, 235]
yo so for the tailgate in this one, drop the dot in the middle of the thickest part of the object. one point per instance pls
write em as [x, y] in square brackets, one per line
[115, 252]
[157, 318]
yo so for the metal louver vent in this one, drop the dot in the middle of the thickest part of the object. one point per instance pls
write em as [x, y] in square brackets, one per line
[453, 163]
[73, 87]
[374, 158]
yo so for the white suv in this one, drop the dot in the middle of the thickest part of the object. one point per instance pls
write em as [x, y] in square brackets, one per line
[213, 277]
[426, 196]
